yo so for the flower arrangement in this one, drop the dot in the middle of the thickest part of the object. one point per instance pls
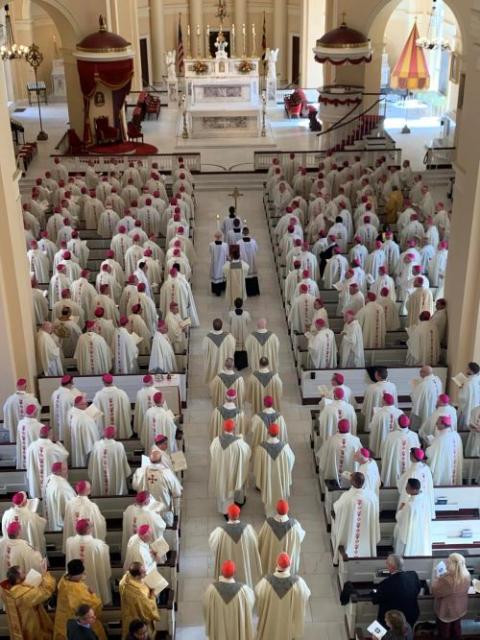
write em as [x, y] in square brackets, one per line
[245, 66]
[200, 67]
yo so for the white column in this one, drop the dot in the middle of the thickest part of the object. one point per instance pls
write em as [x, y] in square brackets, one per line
[17, 344]
[158, 39]
[280, 9]
[240, 19]
[313, 26]
[196, 20]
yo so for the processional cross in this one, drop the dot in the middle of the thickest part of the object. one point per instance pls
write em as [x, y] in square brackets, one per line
[235, 195]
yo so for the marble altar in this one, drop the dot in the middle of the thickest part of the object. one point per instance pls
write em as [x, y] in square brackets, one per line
[222, 100]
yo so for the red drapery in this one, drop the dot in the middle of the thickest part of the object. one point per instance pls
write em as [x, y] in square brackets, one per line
[116, 75]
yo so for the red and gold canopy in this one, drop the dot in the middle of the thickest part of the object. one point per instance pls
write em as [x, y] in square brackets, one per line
[411, 71]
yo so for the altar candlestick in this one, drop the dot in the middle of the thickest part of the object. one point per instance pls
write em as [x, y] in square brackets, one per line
[207, 43]
[189, 55]
[244, 33]
[253, 41]
[233, 50]
[199, 48]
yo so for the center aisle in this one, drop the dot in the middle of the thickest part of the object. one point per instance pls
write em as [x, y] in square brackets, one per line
[199, 517]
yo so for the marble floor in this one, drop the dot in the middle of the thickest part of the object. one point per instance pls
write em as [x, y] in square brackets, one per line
[284, 135]
[325, 616]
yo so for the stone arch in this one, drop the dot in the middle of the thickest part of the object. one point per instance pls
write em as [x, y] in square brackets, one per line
[375, 26]
[383, 10]
[64, 21]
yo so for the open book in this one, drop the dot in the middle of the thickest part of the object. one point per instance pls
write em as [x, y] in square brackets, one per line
[160, 547]
[93, 411]
[136, 338]
[179, 461]
[460, 379]
[155, 581]
[33, 578]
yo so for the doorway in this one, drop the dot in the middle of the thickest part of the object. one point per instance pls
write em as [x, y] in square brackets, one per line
[144, 62]
[295, 69]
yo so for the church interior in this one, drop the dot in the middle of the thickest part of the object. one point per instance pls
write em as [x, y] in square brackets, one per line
[240, 319]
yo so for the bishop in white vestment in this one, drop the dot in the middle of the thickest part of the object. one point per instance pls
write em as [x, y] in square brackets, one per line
[162, 355]
[158, 420]
[445, 454]
[56, 493]
[108, 467]
[384, 421]
[81, 507]
[322, 348]
[413, 532]
[95, 555]
[356, 526]
[425, 393]
[395, 451]
[41, 455]
[374, 393]
[92, 354]
[144, 510]
[32, 526]
[351, 348]
[16, 552]
[337, 453]
[160, 481]
[15, 407]
[80, 433]
[115, 407]
[421, 471]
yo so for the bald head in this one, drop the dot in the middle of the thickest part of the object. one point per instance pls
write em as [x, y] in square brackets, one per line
[262, 324]
[426, 371]
[155, 456]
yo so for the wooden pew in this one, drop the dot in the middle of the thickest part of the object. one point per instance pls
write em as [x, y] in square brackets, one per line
[358, 379]
[372, 569]
[458, 498]
[360, 612]
[174, 390]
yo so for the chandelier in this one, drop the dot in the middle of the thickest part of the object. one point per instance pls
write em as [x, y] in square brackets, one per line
[431, 42]
[10, 50]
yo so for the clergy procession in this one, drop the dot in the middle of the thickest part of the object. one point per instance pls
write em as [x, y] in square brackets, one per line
[94, 525]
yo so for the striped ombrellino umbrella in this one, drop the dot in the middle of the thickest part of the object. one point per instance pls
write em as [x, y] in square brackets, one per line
[411, 71]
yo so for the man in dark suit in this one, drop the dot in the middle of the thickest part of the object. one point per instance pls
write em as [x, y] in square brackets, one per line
[80, 627]
[399, 591]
